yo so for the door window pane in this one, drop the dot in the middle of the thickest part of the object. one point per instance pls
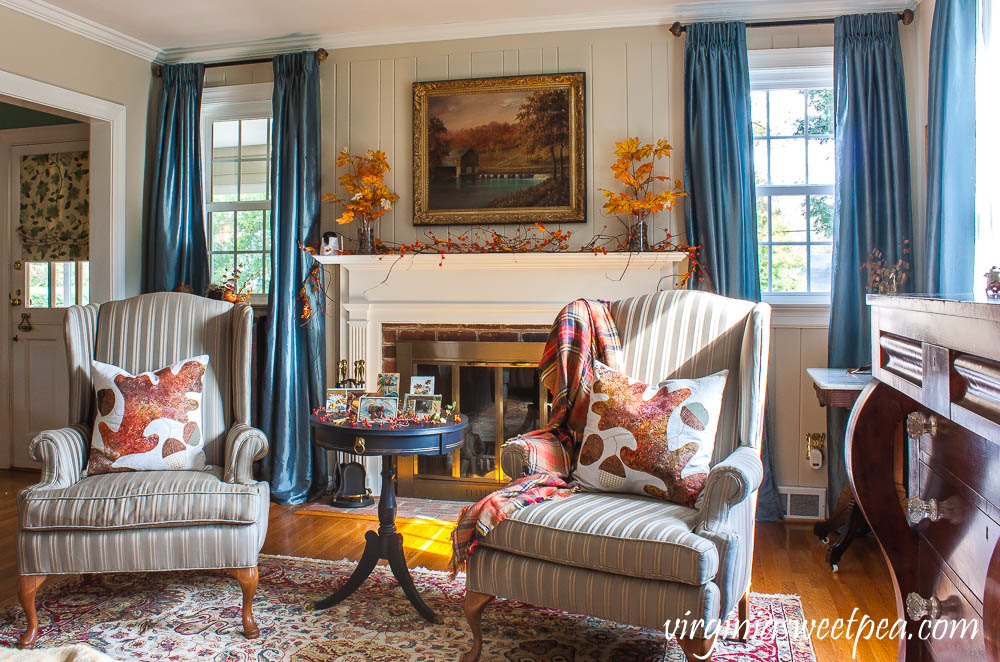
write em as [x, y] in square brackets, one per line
[38, 284]
[63, 284]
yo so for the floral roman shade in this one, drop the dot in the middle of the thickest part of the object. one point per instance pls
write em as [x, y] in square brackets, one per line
[54, 224]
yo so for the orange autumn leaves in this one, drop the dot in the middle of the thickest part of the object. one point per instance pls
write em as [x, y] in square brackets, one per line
[367, 197]
[634, 168]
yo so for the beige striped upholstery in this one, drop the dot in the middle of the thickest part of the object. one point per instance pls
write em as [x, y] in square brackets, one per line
[643, 602]
[171, 520]
[617, 556]
[624, 534]
[140, 499]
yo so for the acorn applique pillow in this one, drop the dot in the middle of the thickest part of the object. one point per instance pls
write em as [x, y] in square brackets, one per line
[148, 422]
[651, 440]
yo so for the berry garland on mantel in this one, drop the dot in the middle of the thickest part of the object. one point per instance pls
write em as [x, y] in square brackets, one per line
[484, 240]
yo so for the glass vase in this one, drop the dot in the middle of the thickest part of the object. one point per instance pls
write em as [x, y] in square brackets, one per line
[638, 236]
[366, 238]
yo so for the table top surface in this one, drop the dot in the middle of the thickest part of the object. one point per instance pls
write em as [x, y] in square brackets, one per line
[413, 430]
[838, 379]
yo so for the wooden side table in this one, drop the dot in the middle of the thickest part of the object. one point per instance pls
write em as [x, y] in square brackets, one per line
[839, 388]
[387, 543]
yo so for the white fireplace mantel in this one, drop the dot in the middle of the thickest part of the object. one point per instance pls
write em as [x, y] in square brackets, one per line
[489, 288]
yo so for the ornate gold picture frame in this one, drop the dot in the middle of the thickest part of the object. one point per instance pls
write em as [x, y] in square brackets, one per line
[510, 149]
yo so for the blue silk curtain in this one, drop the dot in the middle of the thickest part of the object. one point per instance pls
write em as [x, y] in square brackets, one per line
[293, 377]
[873, 192]
[176, 252]
[718, 176]
[951, 150]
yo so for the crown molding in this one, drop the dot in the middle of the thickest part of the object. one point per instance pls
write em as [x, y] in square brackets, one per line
[84, 27]
[702, 10]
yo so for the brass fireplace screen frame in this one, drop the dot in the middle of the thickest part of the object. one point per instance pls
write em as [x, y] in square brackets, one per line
[498, 355]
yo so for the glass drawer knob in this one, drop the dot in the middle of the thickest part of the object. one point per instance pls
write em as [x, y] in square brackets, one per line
[918, 608]
[918, 424]
[918, 510]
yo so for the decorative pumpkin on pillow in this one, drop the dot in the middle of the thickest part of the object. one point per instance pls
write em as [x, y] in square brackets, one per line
[655, 441]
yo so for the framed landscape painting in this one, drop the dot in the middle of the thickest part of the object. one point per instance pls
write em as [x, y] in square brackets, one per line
[499, 150]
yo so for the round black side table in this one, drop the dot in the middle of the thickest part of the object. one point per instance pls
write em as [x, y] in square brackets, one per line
[387, 543]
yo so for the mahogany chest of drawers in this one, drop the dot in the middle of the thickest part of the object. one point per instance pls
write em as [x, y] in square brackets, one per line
[923, 455]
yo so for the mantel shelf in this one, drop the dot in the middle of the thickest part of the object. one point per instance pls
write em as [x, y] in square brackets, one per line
[560, 261]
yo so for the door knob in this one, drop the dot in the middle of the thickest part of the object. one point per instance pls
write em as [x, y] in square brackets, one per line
[918, 608]
[918, 424]
[15, 300]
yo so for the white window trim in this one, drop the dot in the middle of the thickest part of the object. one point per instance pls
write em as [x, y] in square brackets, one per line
[230, 102]
[794, 68]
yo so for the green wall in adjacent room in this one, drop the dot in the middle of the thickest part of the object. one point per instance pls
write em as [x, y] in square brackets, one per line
[18, 117]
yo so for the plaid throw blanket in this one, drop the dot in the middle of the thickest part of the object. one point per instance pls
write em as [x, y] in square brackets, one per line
[582, 333]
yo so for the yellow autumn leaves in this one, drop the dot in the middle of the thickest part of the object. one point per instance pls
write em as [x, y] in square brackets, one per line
[634, 168]
[367, 197]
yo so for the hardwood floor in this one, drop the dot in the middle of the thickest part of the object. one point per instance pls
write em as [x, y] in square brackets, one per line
[787, 559]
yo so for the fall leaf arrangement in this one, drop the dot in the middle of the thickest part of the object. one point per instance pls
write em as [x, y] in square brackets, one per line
[366, 198]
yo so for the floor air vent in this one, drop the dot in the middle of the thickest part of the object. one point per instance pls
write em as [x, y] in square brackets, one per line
[803, 502]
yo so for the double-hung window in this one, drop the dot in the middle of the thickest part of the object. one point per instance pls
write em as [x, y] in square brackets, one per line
[237, 155]
[791, 102]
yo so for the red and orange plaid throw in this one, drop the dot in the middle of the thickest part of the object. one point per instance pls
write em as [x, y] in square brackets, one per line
[582, 333]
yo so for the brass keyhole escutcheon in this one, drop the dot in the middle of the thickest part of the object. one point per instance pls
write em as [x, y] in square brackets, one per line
[359, 445]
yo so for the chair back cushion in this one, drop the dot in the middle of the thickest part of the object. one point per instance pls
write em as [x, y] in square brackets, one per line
[685, 334]
[150, 331]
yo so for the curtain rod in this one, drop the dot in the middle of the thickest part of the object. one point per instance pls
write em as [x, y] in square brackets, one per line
[906, 16]
[321, 55]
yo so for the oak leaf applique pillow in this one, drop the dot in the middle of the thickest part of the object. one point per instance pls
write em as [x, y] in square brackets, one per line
[148, 422]
[651, 440]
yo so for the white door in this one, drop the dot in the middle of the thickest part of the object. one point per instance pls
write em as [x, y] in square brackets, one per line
[41, 287]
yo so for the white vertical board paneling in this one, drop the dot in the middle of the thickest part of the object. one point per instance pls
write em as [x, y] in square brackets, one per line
[402, 156]
[785, 398]
[511, 65]
[812, 417]
[609, 123]
[387, 138]
[460, 65]
[488, 63]
[529, 61]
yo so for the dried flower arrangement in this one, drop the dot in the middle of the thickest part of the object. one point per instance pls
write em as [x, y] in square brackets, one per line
[993, 283]
[887, 278]
[235, 286]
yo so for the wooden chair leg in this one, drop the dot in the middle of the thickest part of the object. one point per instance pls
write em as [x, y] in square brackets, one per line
[247, 577]
[743, 614]
[474, 604]
[697, 649]
[27, 587]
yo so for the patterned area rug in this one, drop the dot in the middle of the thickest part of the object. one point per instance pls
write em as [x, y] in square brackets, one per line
[196, 616]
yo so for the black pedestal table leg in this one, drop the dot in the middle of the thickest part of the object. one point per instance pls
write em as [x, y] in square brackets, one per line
[369, 559]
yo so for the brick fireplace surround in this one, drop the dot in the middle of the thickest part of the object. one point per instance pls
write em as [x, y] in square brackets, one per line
[393, 333]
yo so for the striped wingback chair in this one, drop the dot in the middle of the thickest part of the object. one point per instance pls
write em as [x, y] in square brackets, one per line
[629, 558]
[140, 521]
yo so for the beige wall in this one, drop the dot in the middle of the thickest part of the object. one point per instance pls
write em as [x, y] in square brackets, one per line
[38, 50]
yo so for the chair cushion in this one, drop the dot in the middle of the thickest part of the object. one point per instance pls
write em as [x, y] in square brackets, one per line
[619, 533]
[143, 499]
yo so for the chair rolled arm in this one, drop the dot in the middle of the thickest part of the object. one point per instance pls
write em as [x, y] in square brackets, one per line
[729, 483]
[63, 453]
[244, 445]
[523, 456]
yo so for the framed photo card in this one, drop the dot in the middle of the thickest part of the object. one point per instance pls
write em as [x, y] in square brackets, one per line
[341, 401]
[422, 385]
[377, 407]
[388, 384]
[421, 405]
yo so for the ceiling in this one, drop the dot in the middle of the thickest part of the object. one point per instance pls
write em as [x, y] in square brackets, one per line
[171, 30]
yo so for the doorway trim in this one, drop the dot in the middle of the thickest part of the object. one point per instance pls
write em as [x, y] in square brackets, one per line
[107, 207]
[107, 194]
